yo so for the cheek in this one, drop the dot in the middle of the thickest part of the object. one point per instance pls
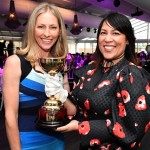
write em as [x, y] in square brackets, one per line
[122, 47]
[100, 43]
[37, 33]
[37, 38]
[121, 43]
[55, 34]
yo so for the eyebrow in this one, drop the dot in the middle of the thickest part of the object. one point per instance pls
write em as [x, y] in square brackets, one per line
[112, 29]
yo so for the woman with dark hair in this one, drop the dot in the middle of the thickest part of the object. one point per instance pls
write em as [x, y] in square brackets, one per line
[114, 20]
[112, 93]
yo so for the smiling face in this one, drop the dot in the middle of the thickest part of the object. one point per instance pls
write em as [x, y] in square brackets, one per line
[46, 31]
[112, 43]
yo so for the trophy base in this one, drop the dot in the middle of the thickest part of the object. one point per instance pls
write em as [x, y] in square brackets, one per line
[52, 125]
[52, 114]
[52, 118]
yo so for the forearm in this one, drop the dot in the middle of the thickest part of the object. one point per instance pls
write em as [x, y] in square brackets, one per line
[71, 108]
[66, 83]
[13, 134]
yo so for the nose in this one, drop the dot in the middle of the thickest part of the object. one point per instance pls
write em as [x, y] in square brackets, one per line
[108, 38]
[47, 32]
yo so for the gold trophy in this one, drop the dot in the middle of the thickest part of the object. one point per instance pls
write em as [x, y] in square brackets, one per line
[52, 114]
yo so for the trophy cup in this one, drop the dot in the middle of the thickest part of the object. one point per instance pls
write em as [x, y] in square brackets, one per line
[52, 114]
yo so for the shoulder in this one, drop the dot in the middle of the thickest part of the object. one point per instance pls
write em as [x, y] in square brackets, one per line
[133, 70]
[82, 71]
[12, 67]
[12, 60]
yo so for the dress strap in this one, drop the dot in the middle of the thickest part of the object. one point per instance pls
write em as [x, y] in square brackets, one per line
[25, 66]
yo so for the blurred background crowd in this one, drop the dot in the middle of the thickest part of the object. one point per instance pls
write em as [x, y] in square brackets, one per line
[74, 61]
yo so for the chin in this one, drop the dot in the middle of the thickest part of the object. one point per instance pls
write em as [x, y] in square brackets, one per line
[45, 49]
[108, 58]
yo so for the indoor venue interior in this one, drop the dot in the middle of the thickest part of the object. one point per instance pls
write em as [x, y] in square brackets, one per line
[81, 40]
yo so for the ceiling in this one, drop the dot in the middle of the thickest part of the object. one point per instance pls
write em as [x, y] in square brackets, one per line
[90, 13]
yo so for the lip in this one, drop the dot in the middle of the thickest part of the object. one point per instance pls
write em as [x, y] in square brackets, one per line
[109, 47]
[46, 40]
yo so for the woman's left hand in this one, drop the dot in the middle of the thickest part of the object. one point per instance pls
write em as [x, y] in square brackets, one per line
[71, 126]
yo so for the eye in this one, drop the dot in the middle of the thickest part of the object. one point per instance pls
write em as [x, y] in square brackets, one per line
[102, 33]
[116, 33]
[53, 27]
[40, 27]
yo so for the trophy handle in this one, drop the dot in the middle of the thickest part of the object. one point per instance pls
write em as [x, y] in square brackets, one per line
[55, 65]
[52, 65]
[70, 66]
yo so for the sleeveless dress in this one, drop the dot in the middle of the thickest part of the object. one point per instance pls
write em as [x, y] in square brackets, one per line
[31, 98]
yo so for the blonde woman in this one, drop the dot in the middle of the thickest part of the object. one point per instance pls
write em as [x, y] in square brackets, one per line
[24, 81]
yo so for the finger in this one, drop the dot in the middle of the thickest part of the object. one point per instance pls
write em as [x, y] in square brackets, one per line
[62, 129]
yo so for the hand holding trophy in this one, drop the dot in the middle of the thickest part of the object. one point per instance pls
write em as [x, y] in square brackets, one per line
[53, 114]
[54, 87]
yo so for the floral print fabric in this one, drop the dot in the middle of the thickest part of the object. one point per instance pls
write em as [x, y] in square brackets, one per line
[114, 104]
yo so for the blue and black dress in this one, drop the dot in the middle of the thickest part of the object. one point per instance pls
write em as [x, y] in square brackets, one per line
[31, 98]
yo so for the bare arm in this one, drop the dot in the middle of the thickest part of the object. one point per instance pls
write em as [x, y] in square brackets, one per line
[71, 108]
[11, 79]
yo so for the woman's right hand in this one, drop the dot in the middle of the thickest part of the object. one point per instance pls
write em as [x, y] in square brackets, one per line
[71, 126]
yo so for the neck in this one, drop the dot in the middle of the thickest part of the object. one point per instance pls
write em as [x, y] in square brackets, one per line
[109, 63]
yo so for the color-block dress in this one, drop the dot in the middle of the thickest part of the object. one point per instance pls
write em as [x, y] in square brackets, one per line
[31, 98]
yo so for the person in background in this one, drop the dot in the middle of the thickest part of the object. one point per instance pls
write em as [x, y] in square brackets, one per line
[147, 64]
[77, 59]
[92, 57]
[112, 93]
[24, 81]
[10, 48]
[2, 46]
[69, 60]
[82, 55]
[2, 54]
[87, 59]
[17, 50]
[142, 56]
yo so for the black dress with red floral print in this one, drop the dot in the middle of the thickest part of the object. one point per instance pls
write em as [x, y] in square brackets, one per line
[114, 104]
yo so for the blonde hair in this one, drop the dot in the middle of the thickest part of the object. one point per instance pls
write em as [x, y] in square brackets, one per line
[59, 49]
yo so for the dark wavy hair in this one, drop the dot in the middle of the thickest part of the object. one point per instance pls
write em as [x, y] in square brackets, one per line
[123, 25]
